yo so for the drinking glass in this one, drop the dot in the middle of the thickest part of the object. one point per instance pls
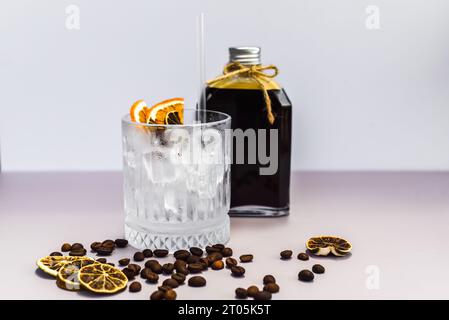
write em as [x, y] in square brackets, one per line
[177, 181]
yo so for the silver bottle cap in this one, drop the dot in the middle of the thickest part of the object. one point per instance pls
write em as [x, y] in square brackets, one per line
[245, 55]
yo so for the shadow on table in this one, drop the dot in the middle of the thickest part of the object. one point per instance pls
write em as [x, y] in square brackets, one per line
[43, 275]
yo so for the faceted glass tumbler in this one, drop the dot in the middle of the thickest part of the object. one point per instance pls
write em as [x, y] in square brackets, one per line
[177, 181]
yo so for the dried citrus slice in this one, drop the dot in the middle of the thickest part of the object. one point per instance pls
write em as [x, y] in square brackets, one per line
[323, 245]
[138, 111]
[167, 112]
[52, 264]
[102, 278]
[67, 277]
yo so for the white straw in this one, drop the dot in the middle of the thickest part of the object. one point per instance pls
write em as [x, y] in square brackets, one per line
[201, 63]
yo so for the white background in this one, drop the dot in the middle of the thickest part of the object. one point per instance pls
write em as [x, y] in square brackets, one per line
[363, 99]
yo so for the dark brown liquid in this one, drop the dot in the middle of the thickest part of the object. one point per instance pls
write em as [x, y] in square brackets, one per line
[248, 110]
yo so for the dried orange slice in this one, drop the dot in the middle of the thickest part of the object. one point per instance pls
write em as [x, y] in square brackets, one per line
[167, 112]
[52, 264]
[67, 277]
[102, 278]
[323, 245]
[138, 111]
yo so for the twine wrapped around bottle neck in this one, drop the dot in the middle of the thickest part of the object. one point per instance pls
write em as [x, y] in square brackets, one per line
[255, 72]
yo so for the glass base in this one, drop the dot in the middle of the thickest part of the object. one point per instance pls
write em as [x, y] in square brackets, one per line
[257, 211]
[172, 241]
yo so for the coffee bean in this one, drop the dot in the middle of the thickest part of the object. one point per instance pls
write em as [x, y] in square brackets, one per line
[164, 288]
[129, 273]
[66, 247]
[193, 259]
[135, 267]
[157, 295]
[156, 268]
[286, 254]
[215, 256]
[237, 271]
[197, 281]
[183, 270]
[241, 293]
[111, 264]
[135, 286]
[160, 253]
[195, 267]
[205, 262]
[210, 249]
[269, 279]
[170, 295]
[94, 246]
[147, 253]
[104, 251]
[150, 262]
[262, 295]
[252, 291]
[102, 260]
[179, 277]
[226, 252]
[139, 256]
[56, 254]
[77, 246]
[196, 251]
[121, 243]
[78, 253]
[145, 272]
[152, 277]
[168, 268]
[271, 287]
[124, 261]
[108, 243]
[217, 265]
[246, 258]
[303, 256]
[219, 246]
[181, 254]
[231, 262]
[171, 283]
[318, 268]
[305, 275]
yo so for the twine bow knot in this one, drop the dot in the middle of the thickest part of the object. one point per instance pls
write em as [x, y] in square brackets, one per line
[256, 72]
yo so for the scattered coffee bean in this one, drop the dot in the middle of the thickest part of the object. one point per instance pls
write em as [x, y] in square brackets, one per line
[205, 262]
[217, 265]
[181, 254]
[139, 256]
[152, 277]
[241, 293]
[183, 270]
[135, 267]
[108, 243]
[210, 249]
[237, 271]
[197, 281]
[215, 256]
[145, 272]
[172, 283]
[179, 263]
[94, 246]
[246, 258]
[269, 279]
[168, 268]
[164, 288]
[305, 275]
[135, 286]
[157, 295]
[124, 261]
[77, 246]
[196, 251]
[193, 259]
[252, 291]
[226, 252]
[318, 268]
[147, 253]
[102, 260]
[262, 295]
[170, 295]
[156, 268]
[78, 253]
[104, 251]
[231, 262]
[160, 253]
[303, 256]
[219, 246]
[179, 277]
[150, 262]
[129, 273]
[286, 254]
[195, 267]
[271, 287]
[121, 243]
[56, 254]
[111, 264]
[66, 247]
